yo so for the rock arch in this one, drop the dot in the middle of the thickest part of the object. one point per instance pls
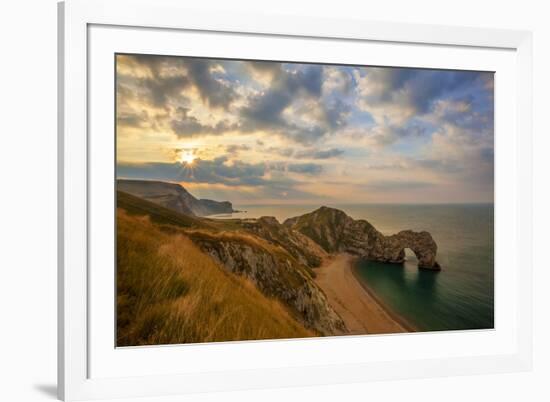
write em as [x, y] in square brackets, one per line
[421, 243]
[336, 232]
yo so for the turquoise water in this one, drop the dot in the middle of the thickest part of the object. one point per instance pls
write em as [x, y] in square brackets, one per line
[460, 296]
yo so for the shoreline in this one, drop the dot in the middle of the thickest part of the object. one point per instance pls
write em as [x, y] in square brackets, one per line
[395, 316]
[362, 311]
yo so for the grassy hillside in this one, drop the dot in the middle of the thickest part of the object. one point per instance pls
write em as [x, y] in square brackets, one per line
[159, 214]
[168, 291]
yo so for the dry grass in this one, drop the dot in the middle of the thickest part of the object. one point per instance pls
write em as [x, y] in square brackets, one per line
[168, 291]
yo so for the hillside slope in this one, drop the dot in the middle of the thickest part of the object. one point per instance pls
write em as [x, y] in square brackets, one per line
[173, 196]
[276, 273]
[267, 266]
[168, 291]
[158, 214]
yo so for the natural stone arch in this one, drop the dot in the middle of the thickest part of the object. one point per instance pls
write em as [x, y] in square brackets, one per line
[409, 253]
[421, 244]
[335, 232]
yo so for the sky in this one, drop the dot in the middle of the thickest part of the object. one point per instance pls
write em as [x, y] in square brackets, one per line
[262, 132]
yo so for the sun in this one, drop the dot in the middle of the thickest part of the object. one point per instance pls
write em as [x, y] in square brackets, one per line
[187, 157]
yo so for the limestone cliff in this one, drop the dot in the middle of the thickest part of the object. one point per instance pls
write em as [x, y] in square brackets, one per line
[335, 231]
[298, 245]
[276, 273]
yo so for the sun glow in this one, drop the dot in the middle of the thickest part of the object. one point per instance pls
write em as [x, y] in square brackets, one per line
[187, 157]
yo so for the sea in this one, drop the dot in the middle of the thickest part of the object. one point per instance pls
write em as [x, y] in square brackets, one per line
[459, 297]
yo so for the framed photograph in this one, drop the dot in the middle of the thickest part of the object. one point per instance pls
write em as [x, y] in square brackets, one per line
[255, 201]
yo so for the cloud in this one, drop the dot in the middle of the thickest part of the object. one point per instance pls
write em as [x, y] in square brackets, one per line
[284, 151]
[383, 93]
[265, 111]
[462, 113]
[212, 90]
[215, 171]
[383, 135]
[161, 90]
[263, 72]
[392, 166]
[170, 83]
[320, 154]
[398, 185]
[235, 149]
[133, 119]
[336, 79]
[440, 165]
[220, 170]
[306, 168]
[407, 101]
[416, 89]
[336, 113]
[168, 76]
[185, 125]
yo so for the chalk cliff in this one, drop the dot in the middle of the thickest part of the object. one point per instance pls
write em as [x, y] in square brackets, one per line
[174, 197]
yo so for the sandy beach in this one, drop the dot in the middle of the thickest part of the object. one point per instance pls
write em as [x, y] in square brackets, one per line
[361, 312]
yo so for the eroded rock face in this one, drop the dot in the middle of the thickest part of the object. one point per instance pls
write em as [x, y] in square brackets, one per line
[298, 245]
[334, 231]
[276, 273]
[421, 243]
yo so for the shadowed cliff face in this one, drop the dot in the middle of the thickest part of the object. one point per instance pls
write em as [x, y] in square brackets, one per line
[334, 231]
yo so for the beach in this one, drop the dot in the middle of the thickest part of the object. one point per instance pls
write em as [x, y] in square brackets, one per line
[358, 307]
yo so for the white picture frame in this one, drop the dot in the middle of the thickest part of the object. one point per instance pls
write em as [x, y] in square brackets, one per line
[90, 370]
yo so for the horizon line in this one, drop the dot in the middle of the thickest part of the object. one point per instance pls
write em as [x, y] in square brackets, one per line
[317, 203]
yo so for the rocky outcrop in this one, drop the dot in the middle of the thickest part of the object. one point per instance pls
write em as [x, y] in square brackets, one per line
[276, 273]
[335, 232]
[174, 197]
[211, 207]
[298, 245]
